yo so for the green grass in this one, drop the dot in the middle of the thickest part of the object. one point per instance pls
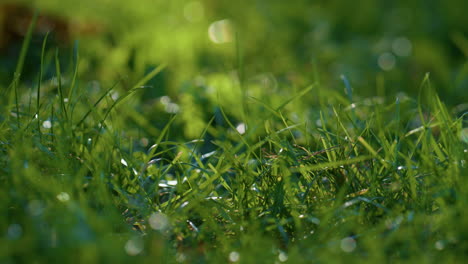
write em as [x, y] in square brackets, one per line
[232, 169]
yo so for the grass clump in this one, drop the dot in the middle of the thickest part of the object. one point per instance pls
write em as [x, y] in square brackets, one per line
[228, 171]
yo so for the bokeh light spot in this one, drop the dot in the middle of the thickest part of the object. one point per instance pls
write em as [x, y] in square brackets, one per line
[234, 256]
[47, 124]
[159, 221]
[439, 245]
[194, 11]
[464, 135]
[221, 31]
[36, 207]
[14, 231]
[402, 47]
[348, 244]
[134, 246]
[386, 61]
[63, 197]
[282, 257]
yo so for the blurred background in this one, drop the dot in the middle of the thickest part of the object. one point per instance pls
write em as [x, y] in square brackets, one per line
[211, 48]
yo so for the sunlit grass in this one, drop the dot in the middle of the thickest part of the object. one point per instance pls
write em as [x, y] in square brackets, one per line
[231, 169]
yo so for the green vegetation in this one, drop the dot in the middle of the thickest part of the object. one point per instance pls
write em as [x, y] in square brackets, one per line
[211, 132]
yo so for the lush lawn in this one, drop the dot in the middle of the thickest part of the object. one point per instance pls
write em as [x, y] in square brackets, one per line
[264, 132]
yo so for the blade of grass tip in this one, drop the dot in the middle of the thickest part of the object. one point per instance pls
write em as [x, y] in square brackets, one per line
[340, 123]
[30, 103]
[330, 155]
[59, 83]
[196, 145]
[76, 61]
[244, 142]
[140, 84]
[39, 83]
[154, 147]
[331, 164]
[374, 153]
[348, 88]
[269, 137]
[13, 87]
[276, 112]
[96, 103]
[298, 95]
[349, 93]
[240, 69]
[286, 125]
[424, 83]
[397, 137]
[149, 76]
[269, 108]
[117, 102]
